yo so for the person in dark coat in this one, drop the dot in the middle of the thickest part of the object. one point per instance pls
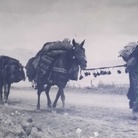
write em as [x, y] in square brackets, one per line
[131, 60]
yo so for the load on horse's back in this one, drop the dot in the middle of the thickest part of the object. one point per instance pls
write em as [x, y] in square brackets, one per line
[11, 71]
[56, 48]
[55, 64]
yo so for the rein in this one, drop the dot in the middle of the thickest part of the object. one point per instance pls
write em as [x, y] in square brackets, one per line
[124, 65]
[101, 72]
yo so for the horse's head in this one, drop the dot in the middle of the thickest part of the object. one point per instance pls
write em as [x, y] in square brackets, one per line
[79, 54]
[14, 71]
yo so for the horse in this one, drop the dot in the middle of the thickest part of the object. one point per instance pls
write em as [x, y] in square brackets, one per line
[60, 72]
[11, 71]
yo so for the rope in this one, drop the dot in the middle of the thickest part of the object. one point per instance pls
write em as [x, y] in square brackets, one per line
[106, 67]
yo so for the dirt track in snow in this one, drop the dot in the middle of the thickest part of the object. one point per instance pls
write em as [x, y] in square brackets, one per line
[87, 115]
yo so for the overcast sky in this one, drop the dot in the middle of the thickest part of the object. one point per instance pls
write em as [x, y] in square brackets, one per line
[106, 25]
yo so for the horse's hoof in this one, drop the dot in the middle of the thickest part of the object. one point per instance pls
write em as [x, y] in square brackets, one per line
[54, 111]
[66, 114]
[49, 106]
[134, 118]
[135, 115]
[6, 104]
[38, 110]
[49, 109]
[54, 105]
[63, 109]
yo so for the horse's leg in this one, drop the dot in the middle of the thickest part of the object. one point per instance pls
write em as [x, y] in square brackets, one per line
[47, 95]
[5, 92]
[62, 97]
[32, 82]
[1, 93]
[38, 100]
[56, 99]
[60, 92]
[8, 92]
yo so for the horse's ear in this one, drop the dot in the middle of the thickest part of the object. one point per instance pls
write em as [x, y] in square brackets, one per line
[73, 42]
[82, 43]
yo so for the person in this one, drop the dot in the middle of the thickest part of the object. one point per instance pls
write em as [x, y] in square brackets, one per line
[130, 56]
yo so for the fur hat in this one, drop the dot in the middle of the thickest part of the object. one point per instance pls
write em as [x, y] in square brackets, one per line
[128, 50]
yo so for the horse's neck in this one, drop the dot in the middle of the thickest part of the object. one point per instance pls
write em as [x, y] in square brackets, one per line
[65, 61]
[69, 60]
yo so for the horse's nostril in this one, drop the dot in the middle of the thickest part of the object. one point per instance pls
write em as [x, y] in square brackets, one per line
[83, 66]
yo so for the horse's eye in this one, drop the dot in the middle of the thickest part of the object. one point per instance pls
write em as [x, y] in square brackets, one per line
[73, 57]
[73, 48]
[76, 51]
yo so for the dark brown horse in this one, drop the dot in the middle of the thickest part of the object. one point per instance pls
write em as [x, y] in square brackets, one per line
[64, 68]
[11, 71]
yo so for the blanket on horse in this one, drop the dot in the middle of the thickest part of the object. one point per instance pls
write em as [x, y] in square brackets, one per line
[50, 58]
[5, 62]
